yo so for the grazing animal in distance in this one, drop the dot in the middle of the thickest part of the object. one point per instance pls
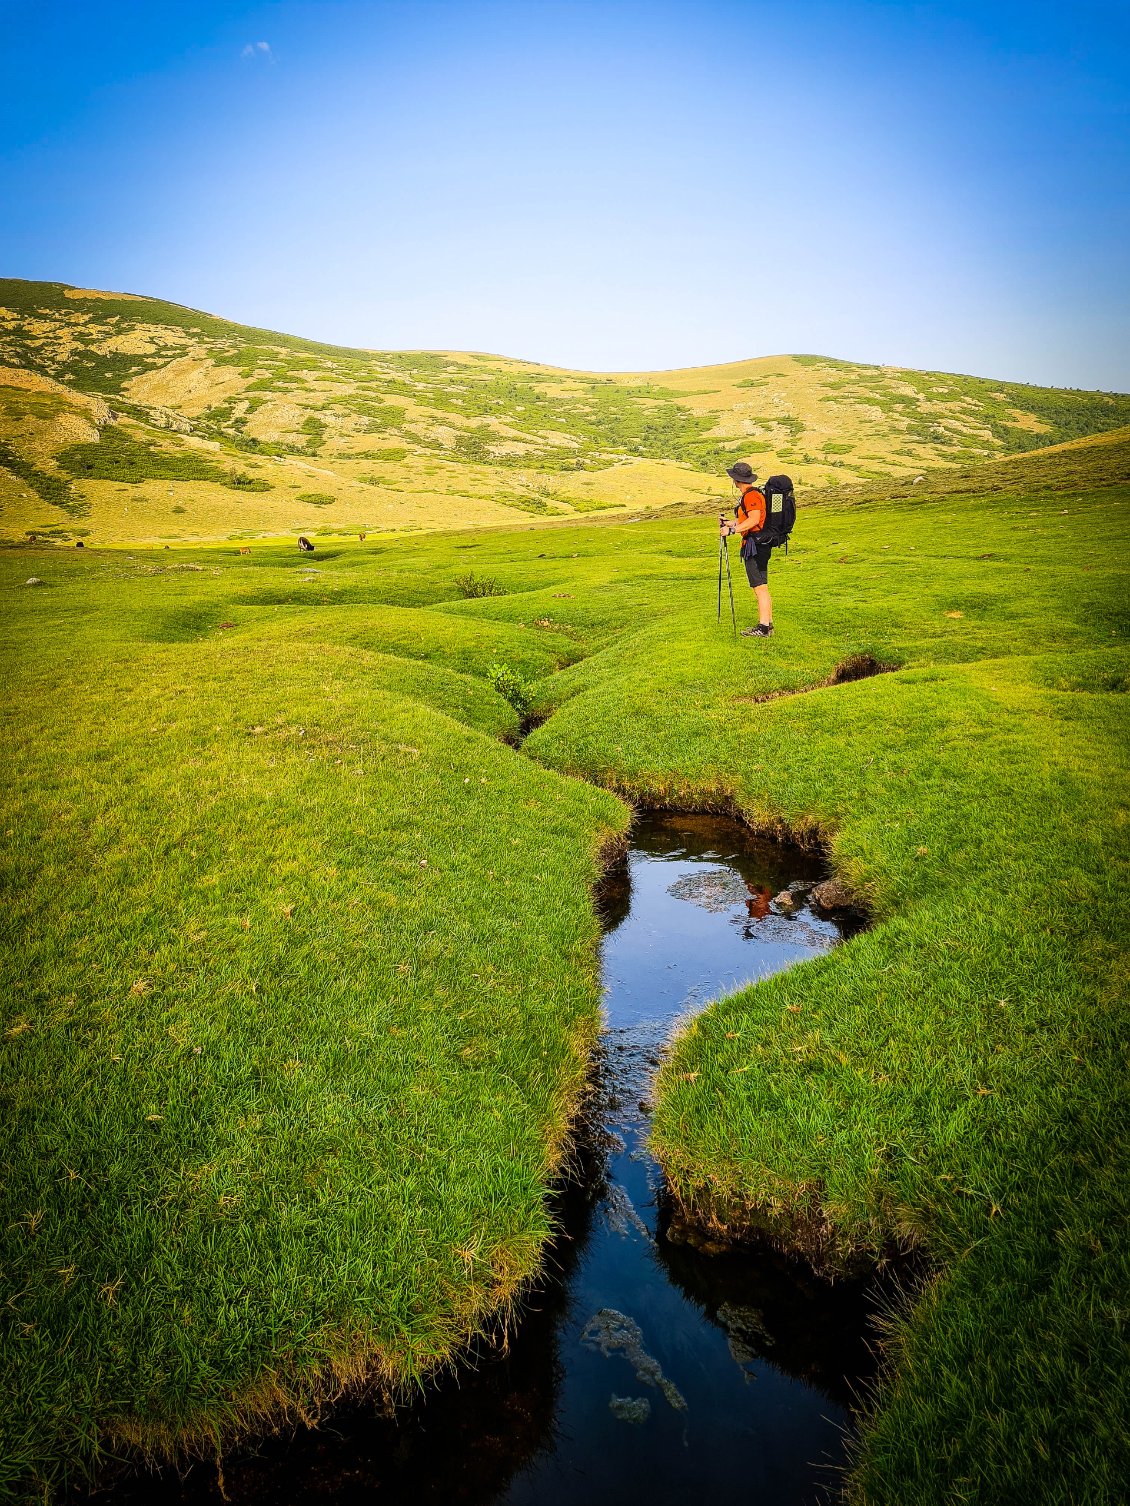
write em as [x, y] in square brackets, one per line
[79, 544]
[245, 551]
[304, 544]
[362, 537]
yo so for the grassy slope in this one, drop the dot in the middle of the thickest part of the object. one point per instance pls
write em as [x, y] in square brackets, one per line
[280, 1101]
[352, 1162]
[227, 431]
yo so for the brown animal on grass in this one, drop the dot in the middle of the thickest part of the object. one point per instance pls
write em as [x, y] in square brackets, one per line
[245, 551]
[362, 537]
[304, 544]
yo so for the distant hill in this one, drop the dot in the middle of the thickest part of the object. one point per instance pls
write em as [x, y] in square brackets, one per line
[128, 419]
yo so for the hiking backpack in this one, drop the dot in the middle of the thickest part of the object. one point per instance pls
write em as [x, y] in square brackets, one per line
[780, 512]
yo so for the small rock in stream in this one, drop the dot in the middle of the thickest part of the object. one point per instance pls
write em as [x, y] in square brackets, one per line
[833, 895]
[785, 903]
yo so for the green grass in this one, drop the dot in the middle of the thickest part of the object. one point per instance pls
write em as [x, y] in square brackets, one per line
[302, 969]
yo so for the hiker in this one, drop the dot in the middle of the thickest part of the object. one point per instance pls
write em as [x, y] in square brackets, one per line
[750, 516]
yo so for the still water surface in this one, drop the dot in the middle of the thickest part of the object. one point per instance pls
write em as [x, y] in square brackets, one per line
[645, 1370]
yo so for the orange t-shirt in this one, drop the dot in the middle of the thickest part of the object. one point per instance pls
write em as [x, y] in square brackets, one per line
[750, 511]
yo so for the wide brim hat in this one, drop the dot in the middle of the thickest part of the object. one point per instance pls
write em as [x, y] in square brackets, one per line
[741, 471]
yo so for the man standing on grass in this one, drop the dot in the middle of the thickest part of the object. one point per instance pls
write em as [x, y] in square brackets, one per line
[750, 516]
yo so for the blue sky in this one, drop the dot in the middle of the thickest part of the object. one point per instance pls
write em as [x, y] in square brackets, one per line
[603, 185]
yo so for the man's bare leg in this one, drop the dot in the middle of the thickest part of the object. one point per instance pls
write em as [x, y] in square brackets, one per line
[764, 605]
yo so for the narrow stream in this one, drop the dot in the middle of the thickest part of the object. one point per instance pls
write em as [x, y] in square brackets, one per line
[646, 1369]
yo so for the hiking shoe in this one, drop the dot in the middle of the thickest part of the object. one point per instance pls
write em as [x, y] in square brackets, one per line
[760, 630]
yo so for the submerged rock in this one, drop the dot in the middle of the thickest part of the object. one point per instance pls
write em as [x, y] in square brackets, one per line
[610, 1331]
[715, 889]
[621, 1212]
[630, 1408]
[786, 903]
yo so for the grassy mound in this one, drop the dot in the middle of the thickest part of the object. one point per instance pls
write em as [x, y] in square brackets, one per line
[287, 1065]
[302, 975]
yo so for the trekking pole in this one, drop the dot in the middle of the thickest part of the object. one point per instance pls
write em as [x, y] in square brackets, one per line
[721, 541]
[724, 543]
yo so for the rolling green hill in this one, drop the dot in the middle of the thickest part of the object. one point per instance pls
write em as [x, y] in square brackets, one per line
[131, 419]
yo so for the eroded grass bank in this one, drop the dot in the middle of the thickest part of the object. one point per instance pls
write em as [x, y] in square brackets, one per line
[303, 958]
[287, 1065]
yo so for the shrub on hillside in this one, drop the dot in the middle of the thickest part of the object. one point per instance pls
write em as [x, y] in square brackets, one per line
[243, 481]
[509, 683]
[117, 456]
[472, 585]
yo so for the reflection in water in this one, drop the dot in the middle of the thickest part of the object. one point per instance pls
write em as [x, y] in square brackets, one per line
[643, 1369]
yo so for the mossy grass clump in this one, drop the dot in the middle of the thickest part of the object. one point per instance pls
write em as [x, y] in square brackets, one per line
[949, 1081]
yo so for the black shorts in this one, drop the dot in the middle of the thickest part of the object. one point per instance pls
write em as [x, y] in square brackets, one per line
[756, 557]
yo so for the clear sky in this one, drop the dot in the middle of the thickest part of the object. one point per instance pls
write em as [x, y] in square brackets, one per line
[615, 185]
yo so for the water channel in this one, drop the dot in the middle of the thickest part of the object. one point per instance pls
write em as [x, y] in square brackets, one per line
[645, 1369]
